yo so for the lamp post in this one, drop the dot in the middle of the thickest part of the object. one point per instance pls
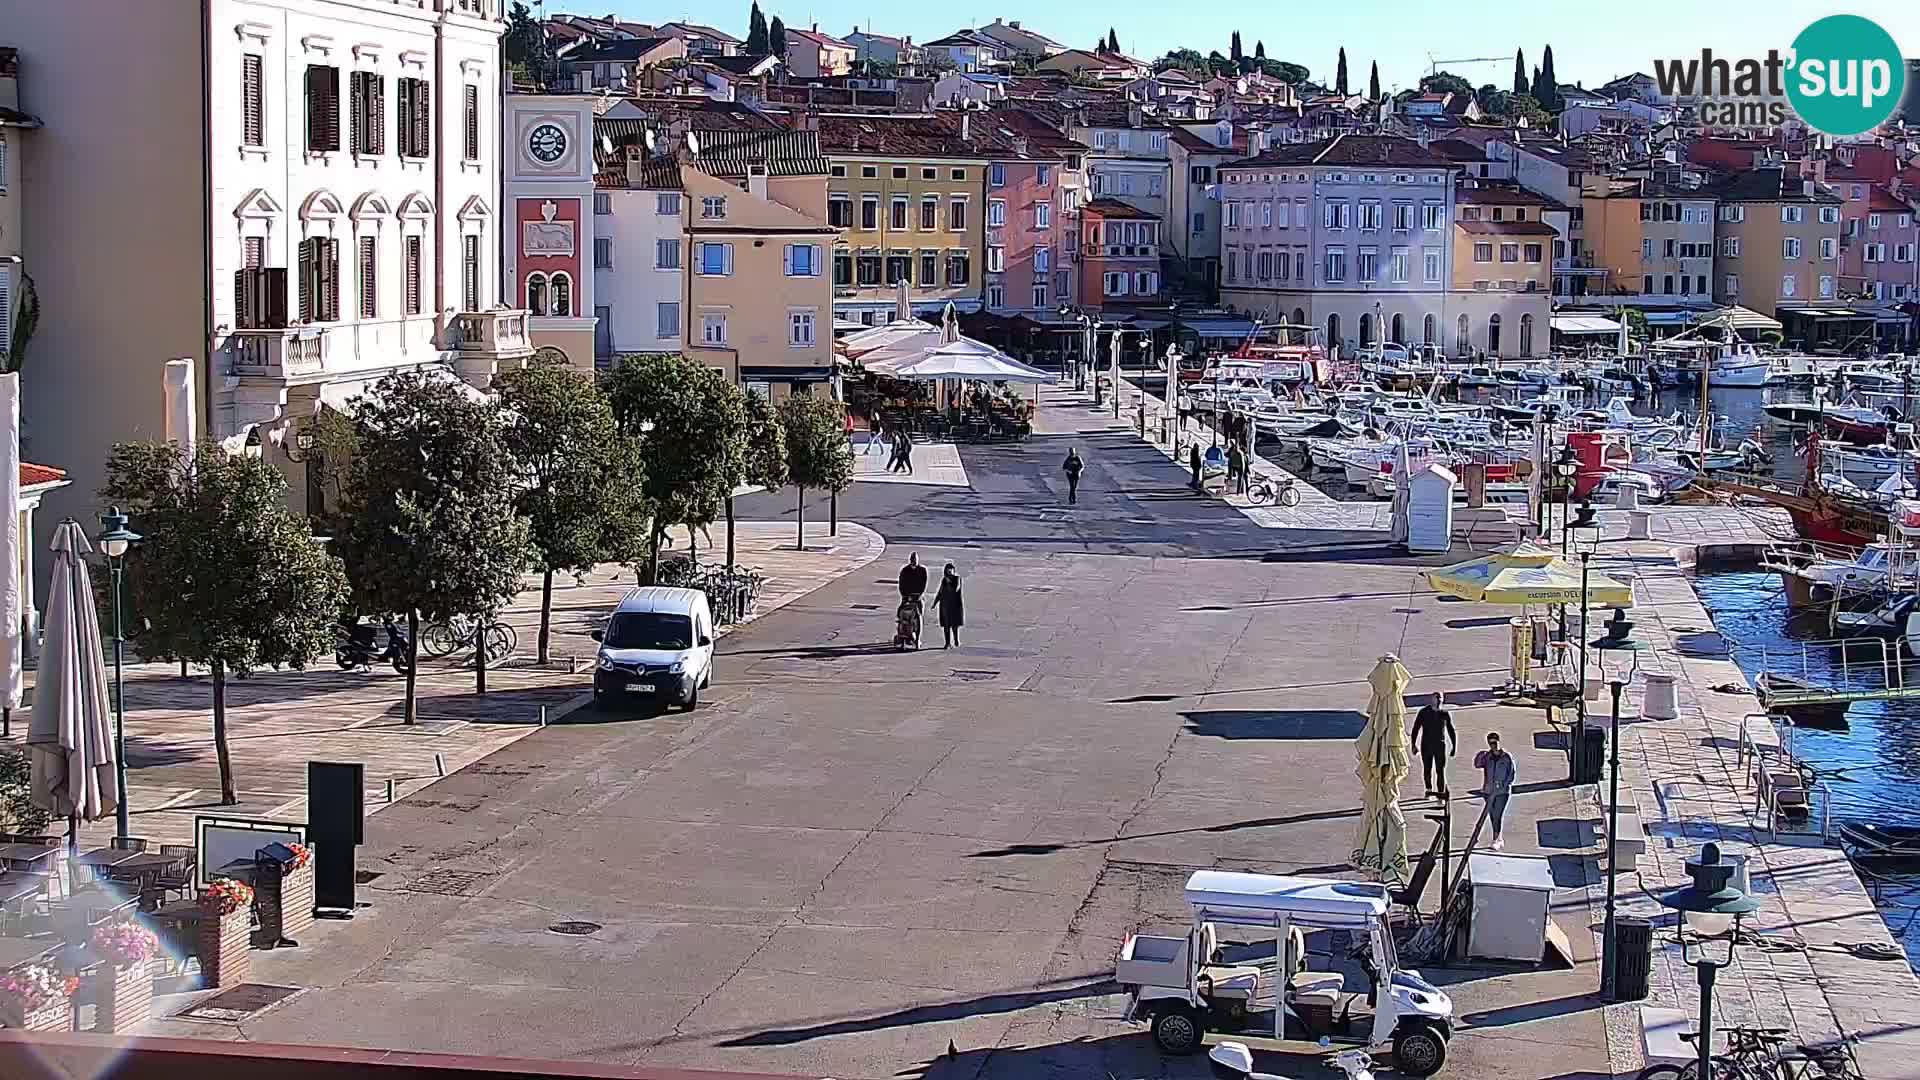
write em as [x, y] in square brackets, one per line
[1565, 466]
[115, 538]
[1710, 907]
[1620, 659]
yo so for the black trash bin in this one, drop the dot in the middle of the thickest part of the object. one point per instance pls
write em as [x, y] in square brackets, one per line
[1590, 754]
[1632, 958]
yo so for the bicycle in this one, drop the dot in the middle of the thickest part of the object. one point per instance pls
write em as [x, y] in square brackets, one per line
[444, 637]
[1756, 1054]
[1262, 490]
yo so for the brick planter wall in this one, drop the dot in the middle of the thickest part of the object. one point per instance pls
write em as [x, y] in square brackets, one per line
[222, 946]
[56, 1015]
[122, 998]
[286, 912]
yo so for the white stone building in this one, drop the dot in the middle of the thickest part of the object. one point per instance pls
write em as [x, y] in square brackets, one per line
[298, 196]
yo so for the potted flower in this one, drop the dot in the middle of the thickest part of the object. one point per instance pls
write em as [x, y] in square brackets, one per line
[123, 986]
[222, 942]
[37, 998]
[224, 896]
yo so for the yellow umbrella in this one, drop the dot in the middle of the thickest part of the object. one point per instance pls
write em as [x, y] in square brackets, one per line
[1380, 842]
[1529, 574]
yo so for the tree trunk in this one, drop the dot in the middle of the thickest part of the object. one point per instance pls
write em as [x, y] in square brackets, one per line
[800, 515]
[729, 532]
[546, 613]
[413, 661]
[227, 794]
[693, 548]
[480, 624]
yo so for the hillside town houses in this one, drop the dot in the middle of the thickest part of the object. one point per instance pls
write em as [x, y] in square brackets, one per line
[379, 187]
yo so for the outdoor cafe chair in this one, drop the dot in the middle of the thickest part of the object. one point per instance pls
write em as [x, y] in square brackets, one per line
[179, 876]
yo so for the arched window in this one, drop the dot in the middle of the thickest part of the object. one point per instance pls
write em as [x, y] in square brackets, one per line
[1366, 330]
[1333, 331]
[1429, 328]
[1526, 335]
[562, 293]
[1399, 335]
[537, 294]
[1464, 341]
[1493, 335]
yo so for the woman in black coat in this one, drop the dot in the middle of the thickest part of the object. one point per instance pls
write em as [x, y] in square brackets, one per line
[953, 612]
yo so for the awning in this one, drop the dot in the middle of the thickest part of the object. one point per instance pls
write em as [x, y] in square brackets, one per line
[1148, 324]
[1743, 318]
[969, 359]
[1218, 328]
[1837, 314]
[1585, 324]
[775, 373]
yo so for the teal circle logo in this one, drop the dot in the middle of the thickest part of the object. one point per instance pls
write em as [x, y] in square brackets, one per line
[1846, 76]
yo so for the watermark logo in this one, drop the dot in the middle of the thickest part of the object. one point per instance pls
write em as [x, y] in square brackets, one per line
[1842, 76]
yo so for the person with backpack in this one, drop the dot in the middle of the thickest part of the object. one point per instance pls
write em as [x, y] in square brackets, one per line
[1073, 467]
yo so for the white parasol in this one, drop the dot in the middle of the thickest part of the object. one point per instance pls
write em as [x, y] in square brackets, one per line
[1380, 843]
[70, 742]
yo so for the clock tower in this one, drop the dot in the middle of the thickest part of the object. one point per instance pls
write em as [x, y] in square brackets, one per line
[550, 239]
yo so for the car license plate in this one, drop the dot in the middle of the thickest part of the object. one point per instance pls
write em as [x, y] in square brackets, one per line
[639, 688]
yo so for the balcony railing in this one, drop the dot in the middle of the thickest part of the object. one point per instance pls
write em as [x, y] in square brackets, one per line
[502, 331]
[285, 354]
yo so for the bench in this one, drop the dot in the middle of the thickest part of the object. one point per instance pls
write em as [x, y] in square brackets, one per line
[1660, 1041]
[1759, 739]
[1632, 842]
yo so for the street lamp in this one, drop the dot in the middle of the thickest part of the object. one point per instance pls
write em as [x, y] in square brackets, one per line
[1564, 467]
[115, 538]
[1710, 909]
[1620, 661]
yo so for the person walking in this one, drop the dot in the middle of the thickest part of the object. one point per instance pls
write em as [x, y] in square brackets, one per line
[900, 444]
[1073, 467]
[876, 433]
[1432, 731]
[913, 579]
[1497, 775]
[906, 453]
[952, 609]
[1237, 467]
[1193, 462]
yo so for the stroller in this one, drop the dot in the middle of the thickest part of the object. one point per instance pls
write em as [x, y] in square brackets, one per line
[906, 623]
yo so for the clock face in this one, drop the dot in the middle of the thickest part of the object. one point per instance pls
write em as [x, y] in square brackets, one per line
[546, 143]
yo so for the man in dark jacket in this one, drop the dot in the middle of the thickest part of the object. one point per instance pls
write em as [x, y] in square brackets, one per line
[913, 579]
[1073, 467]
[1193, 462]
[1432, 732]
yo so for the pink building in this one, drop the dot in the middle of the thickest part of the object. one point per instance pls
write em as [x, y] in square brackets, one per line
[1120, 245]
[1879, 236]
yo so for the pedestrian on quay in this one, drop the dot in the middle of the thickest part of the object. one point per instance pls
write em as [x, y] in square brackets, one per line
[1432, 732]
[1073, 467]
[1497, 775]
[1237, 467]
[876, 433]
[906, 453]
[952, 609]
[1193, 462]
[913, 579]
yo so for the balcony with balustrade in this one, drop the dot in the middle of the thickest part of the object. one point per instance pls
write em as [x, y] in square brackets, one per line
[286, 353]
[484, 343]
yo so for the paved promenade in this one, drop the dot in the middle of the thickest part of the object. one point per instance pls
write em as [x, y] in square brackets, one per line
[279, 720]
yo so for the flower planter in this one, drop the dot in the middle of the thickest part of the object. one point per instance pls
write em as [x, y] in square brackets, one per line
[222, 944]
[286, 907]
[122, 997]
[55, 1015]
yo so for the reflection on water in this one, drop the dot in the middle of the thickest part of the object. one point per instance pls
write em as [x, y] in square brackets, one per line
[1873, 767]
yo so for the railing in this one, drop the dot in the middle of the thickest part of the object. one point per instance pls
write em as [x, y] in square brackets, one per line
[285, 353]
[502, 331]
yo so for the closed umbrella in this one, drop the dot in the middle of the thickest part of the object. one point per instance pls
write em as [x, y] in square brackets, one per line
[1380, 844]
[70, 742]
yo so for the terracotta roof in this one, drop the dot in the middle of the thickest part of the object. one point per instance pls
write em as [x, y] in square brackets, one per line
[1880, 198]
[1458, 150]
[1349, 150]
[1507, 228]
[1114, 208]
[619, 50]
[935, 135]
[1197, 145]
[1504, 196]
[31, 474]
[1769, 185]
[819, 38]
[1037, 131]
[697, 30]
[739, 64]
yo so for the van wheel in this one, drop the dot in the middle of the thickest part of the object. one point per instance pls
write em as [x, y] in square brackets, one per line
[693, 699]
[1419, 1051]
[1177, 1031]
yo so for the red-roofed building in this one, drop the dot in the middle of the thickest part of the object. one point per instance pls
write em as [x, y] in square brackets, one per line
[1879, 235]
[1198, 150]
[35, 482]
[814, 55]
[1120, 256]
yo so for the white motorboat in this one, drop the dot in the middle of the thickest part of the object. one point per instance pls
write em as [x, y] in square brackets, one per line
[1739, 369]
[1479, 375]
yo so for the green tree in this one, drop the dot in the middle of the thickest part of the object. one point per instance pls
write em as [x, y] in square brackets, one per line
[26, 316]
[763, 458]
[777, 38]
[1520, 85]
[525, 44]
[1293, 74]
[225, 574]
[756, 32]
[818, 455]
[1445, 82]
[690, 423]
[579, 488]
[1259, 50]
[1523, 107]
[1486, 96]
[17, 808]
[1340, 74]
[1373, 82]
[1547, 91]
[1220, 65]
[1233, 48]
[1184, 60]
[1113, 41]
[430, 525]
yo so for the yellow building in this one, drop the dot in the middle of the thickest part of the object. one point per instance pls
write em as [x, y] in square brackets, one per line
[1499, 297]
[1654, 239]
[1778, 240]
[909, 196]
[758, 301]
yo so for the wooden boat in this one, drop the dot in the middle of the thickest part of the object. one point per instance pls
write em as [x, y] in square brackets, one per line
[1883, 843]
[1817, 714]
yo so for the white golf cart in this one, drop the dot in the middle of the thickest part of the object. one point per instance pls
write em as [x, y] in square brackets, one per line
[1188, 987]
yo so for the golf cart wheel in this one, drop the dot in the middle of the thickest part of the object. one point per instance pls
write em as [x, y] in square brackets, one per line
[1177, 1031]
[1419, 1051]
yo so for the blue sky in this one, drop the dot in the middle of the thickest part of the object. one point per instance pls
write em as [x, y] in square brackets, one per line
[1592, 41]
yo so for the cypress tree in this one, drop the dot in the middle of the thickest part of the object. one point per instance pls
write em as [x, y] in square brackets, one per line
[777, 38]
[1548, 92]
[1520, 74]
[1340, 74]
[1259, 50]
[1373, 82]
[1113, 41]
[756, 32]
[1233, 50]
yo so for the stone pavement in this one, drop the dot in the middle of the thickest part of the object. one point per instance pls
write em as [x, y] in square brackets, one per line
[936, 464]
[277, 721]
[1801, 970]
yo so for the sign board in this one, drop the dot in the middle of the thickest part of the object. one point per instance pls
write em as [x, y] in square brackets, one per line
[225, 844]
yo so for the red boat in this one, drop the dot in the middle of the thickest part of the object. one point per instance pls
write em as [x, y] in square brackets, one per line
[1862, 427]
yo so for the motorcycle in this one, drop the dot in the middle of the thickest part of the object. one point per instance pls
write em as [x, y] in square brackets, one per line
[354, 646]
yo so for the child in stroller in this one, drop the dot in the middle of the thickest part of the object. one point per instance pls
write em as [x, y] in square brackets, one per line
[906, 623]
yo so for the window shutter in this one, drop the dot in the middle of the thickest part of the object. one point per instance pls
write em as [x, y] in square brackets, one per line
[422, 114]
[253, 128]
[473, 123]
[357, 112]
[274, 293]
[787, 259]
[330, 108]
[6, 311]
[329, 253]
[369, 284]
[728, 249]
[412, 275]
[377, 114]
[815, 263]
[242, 300]
[316, 107]
[306, 280]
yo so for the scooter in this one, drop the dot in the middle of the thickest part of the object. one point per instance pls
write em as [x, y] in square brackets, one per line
[354, 646]
[1233, 1061]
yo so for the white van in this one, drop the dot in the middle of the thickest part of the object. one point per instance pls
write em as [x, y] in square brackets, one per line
[658, 644]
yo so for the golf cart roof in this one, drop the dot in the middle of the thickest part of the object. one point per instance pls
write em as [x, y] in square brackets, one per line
[1260, 899]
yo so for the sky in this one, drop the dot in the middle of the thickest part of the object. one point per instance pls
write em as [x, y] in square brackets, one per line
[1593, 41]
